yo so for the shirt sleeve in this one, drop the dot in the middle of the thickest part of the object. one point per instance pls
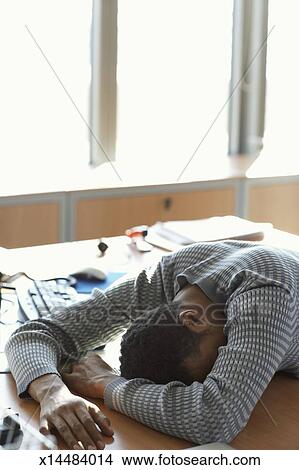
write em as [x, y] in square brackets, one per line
[258, 335]
[43, 346]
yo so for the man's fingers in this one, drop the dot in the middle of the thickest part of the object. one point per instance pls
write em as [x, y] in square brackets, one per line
[78, 429]
[67, 378]
[78, 368]
[67, 375]
[44, 427]
[63, 429]
[89, 424]
[101, 420]
[70, 379]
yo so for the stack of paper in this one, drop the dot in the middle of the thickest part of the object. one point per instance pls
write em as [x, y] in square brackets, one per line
[184, 232]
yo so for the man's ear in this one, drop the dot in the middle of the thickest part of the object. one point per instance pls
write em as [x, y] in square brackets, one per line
[194, 320]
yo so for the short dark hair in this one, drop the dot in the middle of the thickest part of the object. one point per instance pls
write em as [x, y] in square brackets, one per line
[155, 346]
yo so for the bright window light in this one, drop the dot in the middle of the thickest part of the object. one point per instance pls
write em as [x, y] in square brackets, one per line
[280, 152]
[41, 129]
[173, 78]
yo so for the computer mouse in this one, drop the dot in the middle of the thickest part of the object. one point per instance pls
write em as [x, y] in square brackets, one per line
[90, 274]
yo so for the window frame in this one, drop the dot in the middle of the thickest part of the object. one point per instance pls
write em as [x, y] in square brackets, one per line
[103, 87]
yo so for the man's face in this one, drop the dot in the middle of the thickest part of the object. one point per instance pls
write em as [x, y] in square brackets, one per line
[198, 313]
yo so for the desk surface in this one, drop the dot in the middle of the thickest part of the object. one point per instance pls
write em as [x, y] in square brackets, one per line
[274, 422]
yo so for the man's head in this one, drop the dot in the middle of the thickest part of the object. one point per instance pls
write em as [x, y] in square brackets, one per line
[177, 341]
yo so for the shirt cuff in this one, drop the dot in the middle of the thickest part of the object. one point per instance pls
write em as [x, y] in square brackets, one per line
[110, 389]
[22, 387]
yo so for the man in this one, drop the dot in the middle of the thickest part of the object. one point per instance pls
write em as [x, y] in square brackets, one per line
[209, 327]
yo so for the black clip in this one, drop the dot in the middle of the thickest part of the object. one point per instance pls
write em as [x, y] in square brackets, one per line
[10, 429]
[102, 246]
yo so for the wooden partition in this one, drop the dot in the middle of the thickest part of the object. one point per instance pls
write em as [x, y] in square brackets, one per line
[275, 203]
[108, 216]
[29, 224]
[50, 218]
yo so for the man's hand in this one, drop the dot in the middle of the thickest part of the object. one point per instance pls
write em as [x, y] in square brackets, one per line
[74, 418]
[90, 376]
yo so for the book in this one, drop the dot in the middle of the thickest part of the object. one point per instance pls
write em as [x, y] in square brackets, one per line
[176, 233]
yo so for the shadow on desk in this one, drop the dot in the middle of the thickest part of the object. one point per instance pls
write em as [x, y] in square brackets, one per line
[274, 422]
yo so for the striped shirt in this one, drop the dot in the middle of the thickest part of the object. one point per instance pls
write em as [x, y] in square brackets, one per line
[260, 288]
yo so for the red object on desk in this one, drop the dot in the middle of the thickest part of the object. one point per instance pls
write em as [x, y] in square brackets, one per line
[137, 234]
[138, 231]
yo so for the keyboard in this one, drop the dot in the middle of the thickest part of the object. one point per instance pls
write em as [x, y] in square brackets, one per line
[41, 297]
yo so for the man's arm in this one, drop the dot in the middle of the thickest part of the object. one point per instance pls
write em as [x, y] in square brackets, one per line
[259, 332]
[37, 348]
[42, 346]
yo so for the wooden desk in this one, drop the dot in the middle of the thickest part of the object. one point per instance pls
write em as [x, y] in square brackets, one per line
[274, 422]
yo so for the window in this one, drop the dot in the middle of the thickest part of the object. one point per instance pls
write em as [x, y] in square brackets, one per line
[173, 72]
[40, 128]
[280, 152]
[173, 78]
